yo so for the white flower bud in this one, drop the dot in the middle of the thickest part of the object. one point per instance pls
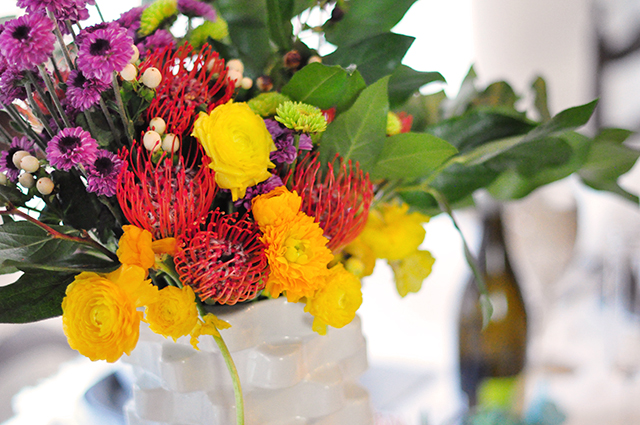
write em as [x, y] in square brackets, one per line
[151, 141]
[158, 125]
[315, 58]
[45, 185]
[3, 179]
[246, 83]
[27, 180]
[236, 65]
[136, 54]
[129, 72]
[234, 76]
[170, 143]
[151, 77]
[17, 157]
[30, 164]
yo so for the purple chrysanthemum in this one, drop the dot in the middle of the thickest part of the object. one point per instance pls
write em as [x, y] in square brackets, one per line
[12, 86]
[196, 9]
[6, 157]
[156, 41]
[102, 174]
[70, 147]
[37, 6]
[104, 51]
[284, 139]
[27, 41]
[259, 189]
[131, 20]
[83, 92]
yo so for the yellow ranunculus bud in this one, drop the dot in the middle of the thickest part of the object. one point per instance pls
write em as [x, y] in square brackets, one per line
[134, 247]
[275, 207]
[238, 143]
[210, 326]
[174, 312]
[337, 302]
[392, 232]
[411, 271]
[99, 317]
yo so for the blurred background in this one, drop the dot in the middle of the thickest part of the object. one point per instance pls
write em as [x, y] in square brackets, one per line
[575, 252]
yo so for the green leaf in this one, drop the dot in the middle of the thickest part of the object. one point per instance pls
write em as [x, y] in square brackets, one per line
[36, 295]
[411, 155]
[80, 209]
[364, 19]
[539, 87]
[279, 14]
[24, 245]
[458, 181]
[498, 94]
[359, 133]
[529, 158]
[609, 159]
[374, 57]
[476, 128]
[12, 195]
[325, 86]
[425, 109]
[405, 81]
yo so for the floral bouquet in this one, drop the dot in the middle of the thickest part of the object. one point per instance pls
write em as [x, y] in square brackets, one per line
[152, 170]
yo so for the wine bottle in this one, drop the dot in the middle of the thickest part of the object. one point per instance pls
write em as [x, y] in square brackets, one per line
[498, 350]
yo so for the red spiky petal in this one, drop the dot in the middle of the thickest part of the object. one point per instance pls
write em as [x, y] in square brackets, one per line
[226, 262]
[167, 200]
[189, 79]
[339, 200]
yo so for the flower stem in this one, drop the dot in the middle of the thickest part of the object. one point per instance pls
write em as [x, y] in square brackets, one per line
[99, 11]
[38, 111]
[5, 134]
[43, 96]
[63, 47]
[24, 126]
[107, 116]
[54, 95]
[126, 122]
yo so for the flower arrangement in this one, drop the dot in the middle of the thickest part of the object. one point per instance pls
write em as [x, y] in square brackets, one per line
[148, 176]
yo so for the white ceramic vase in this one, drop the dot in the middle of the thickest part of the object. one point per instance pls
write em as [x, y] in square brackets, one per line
[289, 374]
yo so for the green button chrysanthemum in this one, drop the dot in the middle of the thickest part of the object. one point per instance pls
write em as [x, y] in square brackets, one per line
[218, 30]
[265, 104]
[301, 117]
[155, 14]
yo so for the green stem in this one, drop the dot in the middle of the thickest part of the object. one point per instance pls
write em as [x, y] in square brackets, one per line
[54, 95]
[126, 122]
[25, 126]
[37, 110]
[5, 134]
[99, 12]
[112, 127]
[85, 239]
[233, 371]
[487, 309]
[63, 47]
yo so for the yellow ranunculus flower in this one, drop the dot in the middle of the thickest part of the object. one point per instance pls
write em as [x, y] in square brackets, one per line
[99, 315]
[238, 143]
[392, 232]
[134, 247]
[337, 302]
[411, 271]
[278, 206]
[174, 312]
[360, 259]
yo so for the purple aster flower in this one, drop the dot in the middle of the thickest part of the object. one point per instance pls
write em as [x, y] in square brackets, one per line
[156, 41]
[261, 188]
[37, 6]
[196, 9]
[284, 139]
[12, 86]
[131, 20]
[102, 174]
[27, 41]
[83, 92]
[104, 51]
[6, 157]
[70, 147]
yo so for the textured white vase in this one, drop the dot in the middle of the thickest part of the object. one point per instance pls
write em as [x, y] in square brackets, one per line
[289, 374]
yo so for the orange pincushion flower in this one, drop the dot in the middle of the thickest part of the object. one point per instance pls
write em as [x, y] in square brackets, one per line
[338, 199]
[224, 263]
[167, 200]
[189, 79]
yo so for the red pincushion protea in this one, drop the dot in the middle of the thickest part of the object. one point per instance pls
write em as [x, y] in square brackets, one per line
[189, 79]
[166, 199]
[339, 199]
[226, 262]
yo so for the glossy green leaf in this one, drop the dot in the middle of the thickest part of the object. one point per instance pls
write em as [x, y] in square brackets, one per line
[539, 87]
[411, 155]
[279, 14]
[36, 295]
[476, 128]
[405, 81]
[497, 95]
[12, 195]
[364, 19]
[80, 209]
[359, 133]
[374, 57]
[325, 86]
[530, 158]
[458, 181]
